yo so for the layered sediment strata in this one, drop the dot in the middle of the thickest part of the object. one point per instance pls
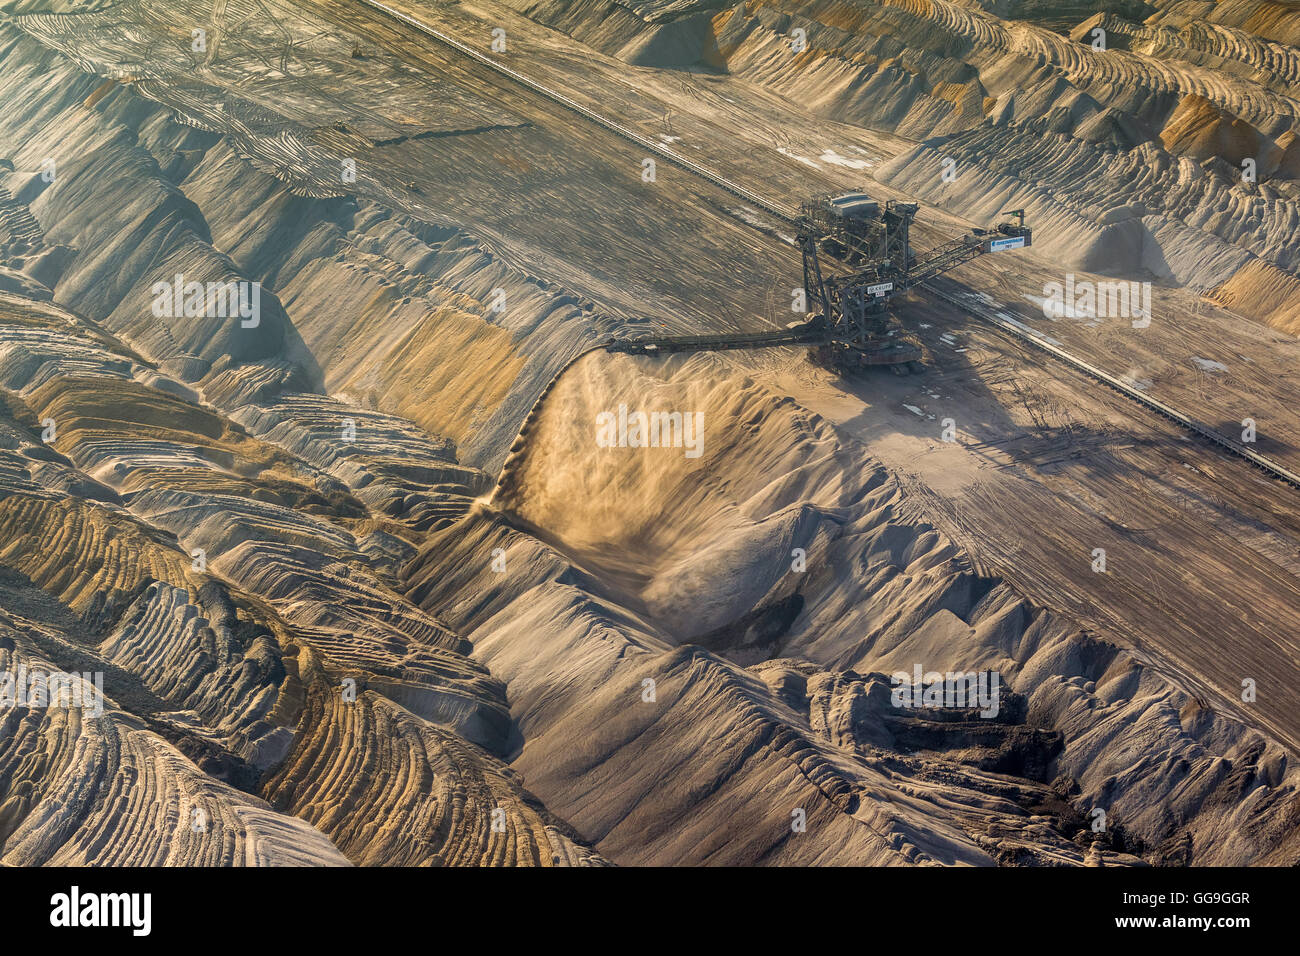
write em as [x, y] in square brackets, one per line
[276, 540]
[143, 764]
[393, 790]
[217, 583]
[647, 584]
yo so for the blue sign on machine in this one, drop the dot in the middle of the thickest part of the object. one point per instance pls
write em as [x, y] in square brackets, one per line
[997, 245]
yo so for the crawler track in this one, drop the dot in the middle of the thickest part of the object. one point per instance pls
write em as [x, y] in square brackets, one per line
[785, 214]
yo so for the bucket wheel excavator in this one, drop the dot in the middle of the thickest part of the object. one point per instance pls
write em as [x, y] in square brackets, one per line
[857, 256]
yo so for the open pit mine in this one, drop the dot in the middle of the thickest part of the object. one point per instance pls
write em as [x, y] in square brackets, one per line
[649, 433]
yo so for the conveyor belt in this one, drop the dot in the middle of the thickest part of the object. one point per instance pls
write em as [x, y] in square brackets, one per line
[800, 335]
